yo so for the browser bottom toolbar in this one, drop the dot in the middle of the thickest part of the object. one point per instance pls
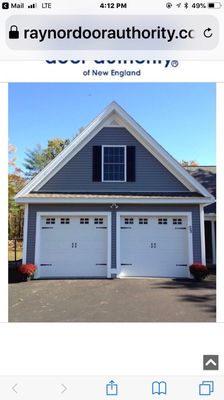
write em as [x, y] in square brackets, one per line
[114, 387]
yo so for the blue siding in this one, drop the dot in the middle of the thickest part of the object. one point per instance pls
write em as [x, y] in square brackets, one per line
[34, 208]
[76, 175]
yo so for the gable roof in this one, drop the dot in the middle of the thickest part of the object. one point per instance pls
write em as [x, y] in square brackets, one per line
[113, 115]
[206, 176]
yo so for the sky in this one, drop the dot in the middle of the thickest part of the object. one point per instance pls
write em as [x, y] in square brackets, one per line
[180, 116]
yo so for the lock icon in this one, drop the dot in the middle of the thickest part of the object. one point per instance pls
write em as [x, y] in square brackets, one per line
[14, 32]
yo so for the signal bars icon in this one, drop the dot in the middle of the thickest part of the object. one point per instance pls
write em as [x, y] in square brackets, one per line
[34, 5]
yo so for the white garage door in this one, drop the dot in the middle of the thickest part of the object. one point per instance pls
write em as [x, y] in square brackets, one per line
[154, 246]
[73, 246]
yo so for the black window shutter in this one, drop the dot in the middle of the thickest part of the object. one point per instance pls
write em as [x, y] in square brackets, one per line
[131, 164]
[97, 163]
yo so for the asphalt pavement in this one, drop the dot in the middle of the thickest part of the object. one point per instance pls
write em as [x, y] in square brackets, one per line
[117, 300]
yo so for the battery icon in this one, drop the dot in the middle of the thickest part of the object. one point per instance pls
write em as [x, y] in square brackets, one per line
[214, 5]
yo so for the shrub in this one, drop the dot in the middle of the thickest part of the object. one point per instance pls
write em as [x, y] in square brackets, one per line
[27, 269]
[199, 271]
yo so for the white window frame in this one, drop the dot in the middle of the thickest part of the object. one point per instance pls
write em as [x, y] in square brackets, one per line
[125, 162]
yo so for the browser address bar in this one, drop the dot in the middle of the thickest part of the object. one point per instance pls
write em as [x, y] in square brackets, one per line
[97, 32]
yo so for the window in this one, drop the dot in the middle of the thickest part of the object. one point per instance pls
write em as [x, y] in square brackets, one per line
[143, 221]
[98, 221]
[177, 221]
[128, 221]
[114, 163]
[162, 221]
[84, 221]
[50, 221]
[65, 221]
[98, 163]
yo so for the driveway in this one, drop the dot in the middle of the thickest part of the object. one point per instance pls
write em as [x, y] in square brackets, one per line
[118, 300]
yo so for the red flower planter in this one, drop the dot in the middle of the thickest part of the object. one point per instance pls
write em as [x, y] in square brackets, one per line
[199, 271]
[27, 270]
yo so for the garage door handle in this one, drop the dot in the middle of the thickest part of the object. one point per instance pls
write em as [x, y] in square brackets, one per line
[74, 245]
[181, 265]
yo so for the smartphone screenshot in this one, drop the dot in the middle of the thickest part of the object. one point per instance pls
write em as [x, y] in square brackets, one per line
[111, 207]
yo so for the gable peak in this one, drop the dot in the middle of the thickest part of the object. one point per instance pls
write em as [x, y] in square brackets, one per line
[114, 123]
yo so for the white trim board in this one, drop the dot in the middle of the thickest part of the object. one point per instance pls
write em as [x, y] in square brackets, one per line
[25, 231]
[202, 230]
[210, 217]
[154, 214]
[112, 200]
[114, 111]
[73, 213]
[213, 242]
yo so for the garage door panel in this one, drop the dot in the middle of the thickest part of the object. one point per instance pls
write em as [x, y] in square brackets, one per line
[56, 245]
[178, 245]
[152, 270]
[73, 249]
[72, 270]
[154, 246]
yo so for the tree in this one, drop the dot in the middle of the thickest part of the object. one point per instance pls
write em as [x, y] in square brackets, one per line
[54, 147]
[16, 182]
[191, 163]
[35, 161]
[15, 225]
[38, 158]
